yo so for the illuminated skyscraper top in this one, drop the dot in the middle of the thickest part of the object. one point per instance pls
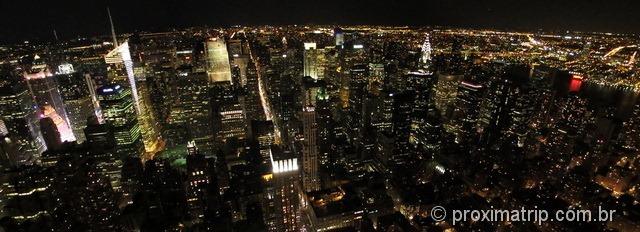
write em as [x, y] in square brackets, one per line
[311, 60]
[122, 55]
[426, 52]
[339, 36]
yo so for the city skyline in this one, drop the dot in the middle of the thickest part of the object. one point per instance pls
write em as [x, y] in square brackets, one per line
[352, 126]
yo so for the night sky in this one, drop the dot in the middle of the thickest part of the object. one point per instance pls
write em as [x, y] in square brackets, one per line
[35, 20]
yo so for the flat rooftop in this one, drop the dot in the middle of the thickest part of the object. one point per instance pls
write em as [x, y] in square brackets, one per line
[334, 201]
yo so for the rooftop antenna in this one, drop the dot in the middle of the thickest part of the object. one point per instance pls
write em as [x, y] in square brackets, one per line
[113, 30]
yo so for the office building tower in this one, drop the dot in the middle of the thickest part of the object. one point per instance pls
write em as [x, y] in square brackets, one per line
[26, 193]
[217, 57]
[44, 90]
[66, 134]
[191, 116]
[198, 185]
[311, 88]
[91, 84]
[465, 117]
[50, 133]
[8, 150]
[325, 125]
[20, 115]
[310, 176]
[446, 91]
[263, 132]
[120, 70]
[428, 135]
[495, 110]
[357, 92]
[101, 144]
[381, 118]
[312, 61]
[149, 126]
[339, 36]
[284, 184]
[77, 99]
[117, 106]
[401, 124]
[232, 122]
[376, 77]
[99, 136]
[421, 84]
[161, 92]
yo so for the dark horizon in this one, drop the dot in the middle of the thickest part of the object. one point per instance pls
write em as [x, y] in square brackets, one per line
[27, 20]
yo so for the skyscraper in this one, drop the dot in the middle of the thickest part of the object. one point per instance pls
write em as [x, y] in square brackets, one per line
[19, 114]
[357, 92]
[312, 64]
[191, 117]
[401, 122]
[218, 67]
[339, 36]
[285, 189]
[466, 114]
[8, 152]
[263, 132]
[50, 133]
[495, 110]
[325, 125]
[421, 83]
[233, 121]
[310, 178]
[198, 182]
[45, 92]
[118, 110]
[149, 125]
[445, 93]
[425, 57]
[77, 99]
[120, 70]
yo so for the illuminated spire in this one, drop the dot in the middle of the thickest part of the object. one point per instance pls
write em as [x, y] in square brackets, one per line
[113, 30]
[426, 51]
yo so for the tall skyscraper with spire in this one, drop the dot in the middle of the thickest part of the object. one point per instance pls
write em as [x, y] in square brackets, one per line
[425, 59]
[120, 71]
